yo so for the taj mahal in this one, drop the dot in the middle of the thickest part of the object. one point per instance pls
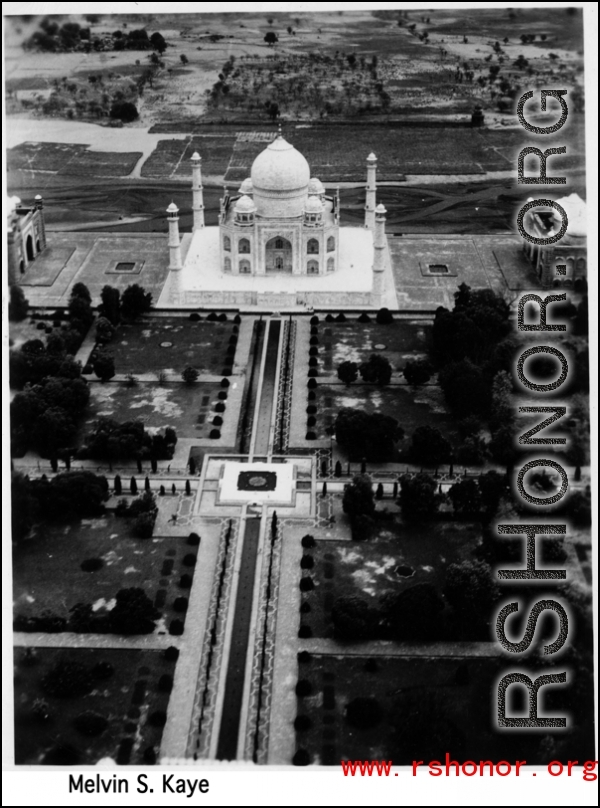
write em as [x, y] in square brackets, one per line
[279, 244]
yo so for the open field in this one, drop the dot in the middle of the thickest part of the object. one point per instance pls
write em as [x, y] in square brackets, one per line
[47, 572]
[125, 699]
[188, 409]
[367, 569]
[171, 344]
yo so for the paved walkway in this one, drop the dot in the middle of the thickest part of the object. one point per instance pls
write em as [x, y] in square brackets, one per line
[67, 639]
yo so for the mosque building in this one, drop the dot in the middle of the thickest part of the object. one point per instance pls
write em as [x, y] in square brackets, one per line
[279, 243]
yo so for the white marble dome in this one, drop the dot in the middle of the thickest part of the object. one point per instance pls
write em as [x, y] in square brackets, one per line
[246, 186]
[315, 186]
[280, 177]
[313, 205]
[244, 205]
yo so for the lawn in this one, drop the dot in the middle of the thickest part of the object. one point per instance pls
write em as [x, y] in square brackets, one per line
[355, 342]
[68, 158]
[188, 409]
[451, 697]
[47, 572]
[126, 700]
[368, 569]
[171, 344]
[412, 407]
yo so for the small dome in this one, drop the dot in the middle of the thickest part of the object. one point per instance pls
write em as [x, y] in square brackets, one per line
[380, 209]
[244, 205]
[371, 158]
[576, 211]
[196, 156]
[313, 205]
[172, 208]
[315, 186]
[246, 186]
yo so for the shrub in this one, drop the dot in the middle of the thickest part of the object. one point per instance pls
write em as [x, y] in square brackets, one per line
[189, 560]
[384, 317]
[222, 318]
[233, 339]
[194, 316]
[310, 436]
[303, 688]
[193, 540]
[185, 581]
[301, 758]
[304, 631]
[103, 670]
[313, 362]
[308, 541]
[90, 723]
[313, 350]
[165, 683]
[176, 628]
[222, 395]
[92, 564]
[311, 384]
[219, 407]
[215, 434]
[225, 382]
[302, 723]
[364, 712]
[307, 562]
[314, 320]
[157, 719]
[306, 584]
[312, 396]
[303, 657]
[180, 604]
[364, 318]
[311, 420]
[143, 525]
[314, 341]
[314, 331]
[341, 318]
[217, 420]
[171, 654]
[330, 318]
[149, 755]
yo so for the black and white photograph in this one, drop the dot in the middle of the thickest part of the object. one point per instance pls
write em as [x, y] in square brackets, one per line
[297, 398]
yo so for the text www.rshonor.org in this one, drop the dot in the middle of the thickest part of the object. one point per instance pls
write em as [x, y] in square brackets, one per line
[470, 768]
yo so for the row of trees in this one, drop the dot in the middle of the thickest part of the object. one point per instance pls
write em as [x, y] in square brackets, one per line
[376, 369]
[112, 440]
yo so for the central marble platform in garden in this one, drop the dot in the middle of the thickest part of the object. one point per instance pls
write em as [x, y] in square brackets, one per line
[260, 483]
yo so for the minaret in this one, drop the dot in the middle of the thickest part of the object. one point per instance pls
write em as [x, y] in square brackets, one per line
[174, 245]
[371, 191]
[39, 205]
[379, 245]
[198, 202]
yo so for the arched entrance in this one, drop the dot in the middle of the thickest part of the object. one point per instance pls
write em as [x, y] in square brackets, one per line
[278, 255]
[29, 248]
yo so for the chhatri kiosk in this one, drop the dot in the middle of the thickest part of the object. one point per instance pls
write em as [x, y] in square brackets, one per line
[279, 244]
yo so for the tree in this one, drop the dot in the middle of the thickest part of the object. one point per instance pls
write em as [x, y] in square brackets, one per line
[414, 614]
[118, 486]
[502, 409]
[54, 430]
[135, 301]
[105, 330]
[271, 38]
[418, 498]
[111, 304]
[465, 497]
[104, 365]
[158, 42]
[81, 291]
[80, 314]
[133, 613]
[471, 590]
[18, 305]
[133, 486]
[190, 375]
[348, 372]
[183, 59]
[466, 388]
[358, 497]
[364, 435]
[124, 111]
[417, 371]
[430, 447]
[377, 369]
[354, 619]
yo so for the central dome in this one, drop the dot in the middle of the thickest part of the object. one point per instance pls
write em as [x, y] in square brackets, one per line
[280, 177]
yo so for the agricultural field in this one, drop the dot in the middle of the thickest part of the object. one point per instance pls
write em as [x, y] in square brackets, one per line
[127, 699]
[171, 344]
[70, 159]
[370, 570]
